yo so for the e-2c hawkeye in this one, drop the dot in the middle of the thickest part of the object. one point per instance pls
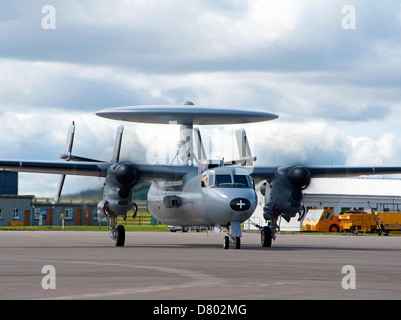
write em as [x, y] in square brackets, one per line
[198, 191]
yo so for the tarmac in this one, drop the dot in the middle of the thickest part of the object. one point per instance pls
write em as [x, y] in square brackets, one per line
[80, 265]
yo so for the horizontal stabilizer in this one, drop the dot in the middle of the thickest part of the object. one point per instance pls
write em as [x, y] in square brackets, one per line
[241, 162]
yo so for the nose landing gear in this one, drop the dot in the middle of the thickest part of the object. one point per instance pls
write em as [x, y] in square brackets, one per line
[234, 235]
[234, 240]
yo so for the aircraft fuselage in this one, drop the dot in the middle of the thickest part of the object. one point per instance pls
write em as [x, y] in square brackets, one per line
[215, 197]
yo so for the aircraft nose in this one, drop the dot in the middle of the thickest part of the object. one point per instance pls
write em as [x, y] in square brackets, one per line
[240, 204]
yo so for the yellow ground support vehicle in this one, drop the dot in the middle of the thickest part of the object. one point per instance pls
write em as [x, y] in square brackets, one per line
[391, 221]
[379, 222]
[321, 220]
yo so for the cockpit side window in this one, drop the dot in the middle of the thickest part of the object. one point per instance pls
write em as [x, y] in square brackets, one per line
[211, 179]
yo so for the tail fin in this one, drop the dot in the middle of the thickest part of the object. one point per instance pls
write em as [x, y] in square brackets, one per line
[245, 155]
[243, 147]
[199, 145]
[117, 145]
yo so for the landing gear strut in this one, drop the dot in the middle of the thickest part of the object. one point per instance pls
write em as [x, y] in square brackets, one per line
[117, 233]
[234, 235]
[235, 240]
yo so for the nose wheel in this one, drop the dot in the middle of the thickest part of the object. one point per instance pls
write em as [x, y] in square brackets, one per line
[234, 235]
[234, 240]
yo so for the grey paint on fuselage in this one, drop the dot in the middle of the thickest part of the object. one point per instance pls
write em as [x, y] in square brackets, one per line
[187, 203]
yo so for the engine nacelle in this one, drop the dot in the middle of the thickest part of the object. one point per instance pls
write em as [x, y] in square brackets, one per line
[283, 193]
[117, 193]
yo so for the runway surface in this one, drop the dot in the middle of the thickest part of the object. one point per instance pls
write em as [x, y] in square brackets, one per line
[194, 265]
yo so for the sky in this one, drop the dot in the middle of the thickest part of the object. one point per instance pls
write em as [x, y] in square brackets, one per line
[330, 69]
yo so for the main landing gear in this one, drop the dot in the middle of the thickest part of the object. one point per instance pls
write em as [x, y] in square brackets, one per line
[119, 238]
[117, 232]
[267, 234]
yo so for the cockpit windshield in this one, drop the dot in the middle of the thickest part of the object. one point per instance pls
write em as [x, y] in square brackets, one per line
[223, 179]
[240, 181]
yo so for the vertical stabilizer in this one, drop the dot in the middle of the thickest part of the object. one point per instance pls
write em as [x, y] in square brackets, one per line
[243, 147]
[185, 144]
[117, 145]
[199, 145]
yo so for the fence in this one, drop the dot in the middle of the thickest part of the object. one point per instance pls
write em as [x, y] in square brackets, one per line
[143, 217]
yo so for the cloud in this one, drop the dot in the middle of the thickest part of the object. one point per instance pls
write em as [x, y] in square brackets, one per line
[375, 152]
[337, 91]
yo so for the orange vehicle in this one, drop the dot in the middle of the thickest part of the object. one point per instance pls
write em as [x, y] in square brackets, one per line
[383, 222]
[321, 220]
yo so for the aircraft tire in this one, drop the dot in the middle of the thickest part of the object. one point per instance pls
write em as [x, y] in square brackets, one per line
[120, 237]
[226, 243]
[237, 243]
[266, 237]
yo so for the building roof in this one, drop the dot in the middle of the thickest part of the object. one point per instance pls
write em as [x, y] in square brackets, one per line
[355, 186]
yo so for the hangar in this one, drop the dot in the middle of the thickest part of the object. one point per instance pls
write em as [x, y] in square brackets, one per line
[341, 194]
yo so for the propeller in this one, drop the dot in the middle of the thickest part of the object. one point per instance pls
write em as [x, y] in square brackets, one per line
[66, 156]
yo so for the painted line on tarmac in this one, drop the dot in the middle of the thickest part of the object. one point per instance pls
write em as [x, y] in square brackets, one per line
[196, 279]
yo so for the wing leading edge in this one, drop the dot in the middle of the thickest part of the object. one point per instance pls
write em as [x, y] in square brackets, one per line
[95, 169]
[328, 171]
[338, 171]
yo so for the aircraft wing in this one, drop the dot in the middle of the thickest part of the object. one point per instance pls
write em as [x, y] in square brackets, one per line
[94, 169]
[259, 172]
[163, 172]
[339, 171]
[97, 169]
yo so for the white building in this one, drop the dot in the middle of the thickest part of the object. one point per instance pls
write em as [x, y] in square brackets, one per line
[341, 194]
